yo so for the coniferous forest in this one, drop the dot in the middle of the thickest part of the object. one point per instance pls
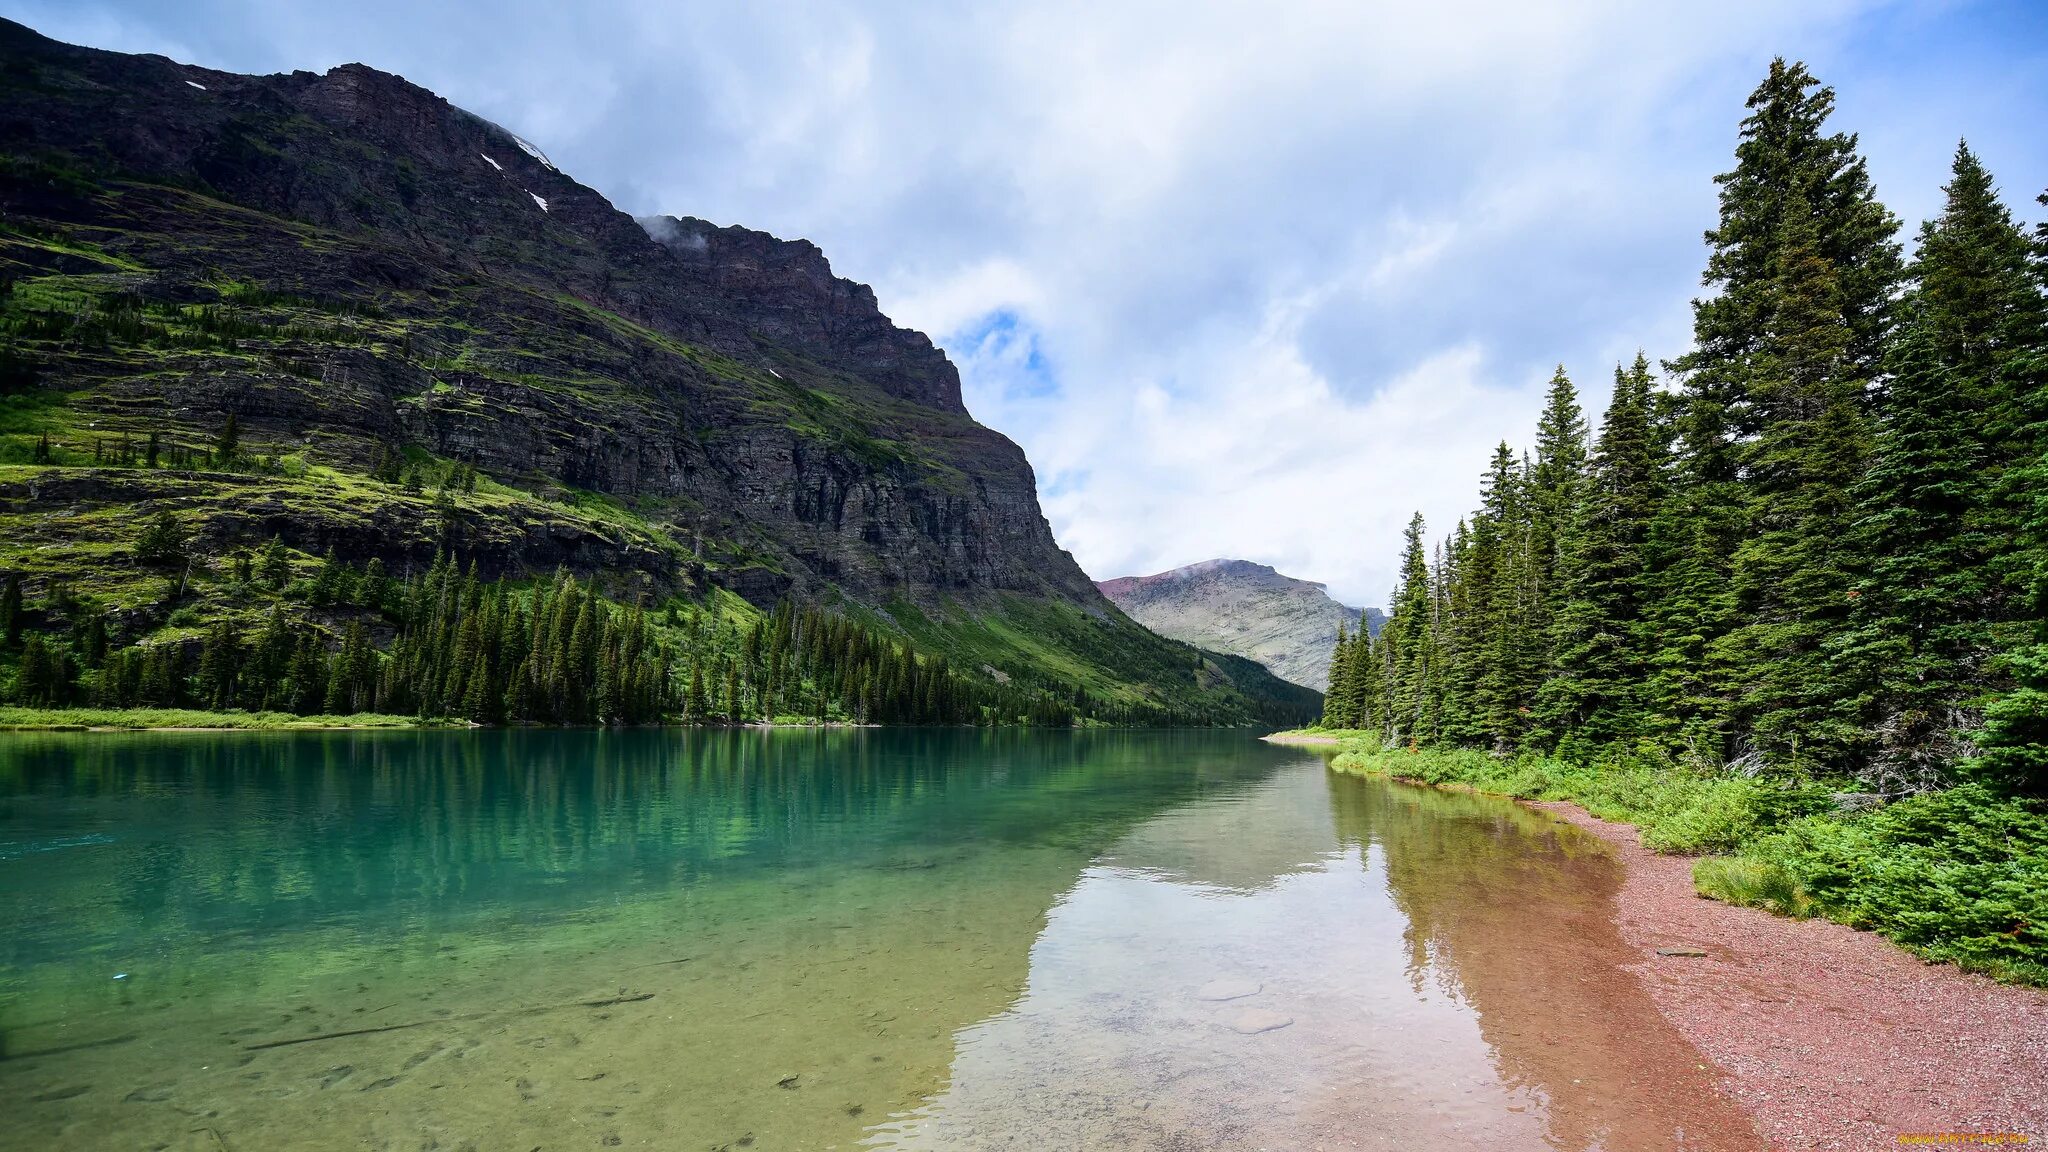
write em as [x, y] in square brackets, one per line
[1808, 557]
[445, 644]
[1815, 543]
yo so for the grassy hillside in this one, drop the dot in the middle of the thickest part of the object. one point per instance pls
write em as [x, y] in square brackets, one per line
[293, 323]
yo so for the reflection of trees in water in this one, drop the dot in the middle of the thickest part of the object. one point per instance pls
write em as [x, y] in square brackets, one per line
[245, 833]
[832, 903]
[1513, 913]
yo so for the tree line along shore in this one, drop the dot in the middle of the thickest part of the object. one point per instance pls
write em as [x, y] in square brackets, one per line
[1788, 607]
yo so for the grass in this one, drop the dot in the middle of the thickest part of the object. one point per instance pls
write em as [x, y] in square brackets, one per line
[147, 718]
[1751, 884]
[1958, 876]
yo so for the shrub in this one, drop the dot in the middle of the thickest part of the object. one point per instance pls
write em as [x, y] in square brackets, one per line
[1751, 884]
[1711, 816]
[1960, 875]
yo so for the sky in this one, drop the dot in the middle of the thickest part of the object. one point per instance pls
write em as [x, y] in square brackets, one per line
[1251, 280]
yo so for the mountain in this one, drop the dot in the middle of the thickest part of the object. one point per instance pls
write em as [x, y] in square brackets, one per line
[1246, 609]
[427, 338]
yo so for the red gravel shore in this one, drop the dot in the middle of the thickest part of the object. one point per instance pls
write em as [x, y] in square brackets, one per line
[1830, 1037]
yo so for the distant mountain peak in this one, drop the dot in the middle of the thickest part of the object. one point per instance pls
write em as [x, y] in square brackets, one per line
[1223, 567]
[1245, 608]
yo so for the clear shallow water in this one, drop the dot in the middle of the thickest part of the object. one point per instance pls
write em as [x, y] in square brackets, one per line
[922, 939]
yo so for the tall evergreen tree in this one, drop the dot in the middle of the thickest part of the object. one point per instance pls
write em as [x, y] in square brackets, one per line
[1594, 692]
[1337, 711]
[10, 610]
[1942, 519]
[1410, 643]
[1776, 393]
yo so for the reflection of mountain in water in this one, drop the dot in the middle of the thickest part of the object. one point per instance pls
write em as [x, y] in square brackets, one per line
[1239, 847]
[831, 906]
[1512, 912]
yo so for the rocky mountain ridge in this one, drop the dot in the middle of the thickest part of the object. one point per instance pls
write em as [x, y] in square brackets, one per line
[1246, 609]
[430, 338]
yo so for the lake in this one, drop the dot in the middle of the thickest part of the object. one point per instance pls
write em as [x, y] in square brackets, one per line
[912, 939]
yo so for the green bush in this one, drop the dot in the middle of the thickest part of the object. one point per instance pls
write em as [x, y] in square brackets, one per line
[1960, 875]
[1714, 816]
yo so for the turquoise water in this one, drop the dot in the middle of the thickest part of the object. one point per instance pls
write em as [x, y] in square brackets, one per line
[915, 939]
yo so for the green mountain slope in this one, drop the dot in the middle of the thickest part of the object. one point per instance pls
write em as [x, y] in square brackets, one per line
[338, 312]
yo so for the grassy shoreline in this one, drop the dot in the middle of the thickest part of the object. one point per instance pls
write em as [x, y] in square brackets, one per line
[1959, 876]
[22, 719]
[194, 719]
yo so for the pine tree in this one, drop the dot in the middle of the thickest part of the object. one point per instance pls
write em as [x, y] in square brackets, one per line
[220, 666]
[275, 565]
[1593, 694]
[1776, 392]
[47, 677]
[1495, 674]
[162, 542]
[1560, 469]
[1410, 644]
[1791, 576]
[1337, 712]
[308, 677]
[1367, 683]
[1783, 158]
[1940, 517]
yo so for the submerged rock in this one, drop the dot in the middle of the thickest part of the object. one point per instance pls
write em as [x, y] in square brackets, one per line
[1253, 1021]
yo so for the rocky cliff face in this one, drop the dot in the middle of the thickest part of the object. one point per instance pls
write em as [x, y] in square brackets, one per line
[723, 382]
[430, 338]
[1245, 609]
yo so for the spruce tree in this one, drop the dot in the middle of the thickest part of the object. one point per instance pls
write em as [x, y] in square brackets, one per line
[1593, 694]
[1410, 644]
[1337, 697]
[162, 542]
[1943, 587]
[1792, 574]
[1782, 158]
[1367, 684]
[1560, 468]
[1776, 393]
[220, 666]
[47, 676]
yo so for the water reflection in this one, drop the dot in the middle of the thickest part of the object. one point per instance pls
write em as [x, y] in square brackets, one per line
[1331, 963]
[940, 939]
[1511, 912]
